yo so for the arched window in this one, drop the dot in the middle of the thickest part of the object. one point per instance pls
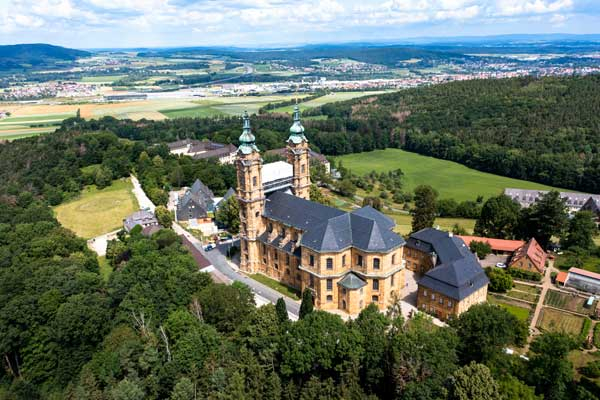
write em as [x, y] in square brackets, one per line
[376, 263]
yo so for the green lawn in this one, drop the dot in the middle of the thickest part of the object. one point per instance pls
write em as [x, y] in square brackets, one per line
[280, 287]
[95, 212]
[105, 268]
[403, 223]
[522, 313]
[558, 321]
[450, 179]
[527, 288]
[102, 78]
[523, 296]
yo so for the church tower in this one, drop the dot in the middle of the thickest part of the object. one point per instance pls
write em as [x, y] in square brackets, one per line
[297, 154]
[251, 197]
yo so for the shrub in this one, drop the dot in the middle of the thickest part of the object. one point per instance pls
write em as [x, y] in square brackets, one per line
[592, 369]
[525, 275]
[500, 281]
[482, 249]
[587, 324]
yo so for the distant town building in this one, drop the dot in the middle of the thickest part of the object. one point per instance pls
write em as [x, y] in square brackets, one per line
[453, 279]
[593, 205]
[125, 97]
[202, 149]
[526, 197]
[313, 155]
[144, 218]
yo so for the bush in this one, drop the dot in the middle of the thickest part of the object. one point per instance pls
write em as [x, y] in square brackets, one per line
[500, 281]
[597, 335]
[587, 324]
[525, 275]
[482, 249]
[591, 370]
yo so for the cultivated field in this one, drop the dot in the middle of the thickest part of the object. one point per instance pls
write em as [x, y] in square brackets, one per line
[450, 179]
[558, 321]
[328, 98]
[95, 211]
[16, 127]
[569, 302]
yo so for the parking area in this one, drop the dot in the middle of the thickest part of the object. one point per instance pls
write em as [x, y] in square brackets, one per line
[492, 259]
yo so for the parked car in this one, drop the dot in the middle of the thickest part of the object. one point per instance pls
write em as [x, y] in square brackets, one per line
[209, 247]
[500, 265]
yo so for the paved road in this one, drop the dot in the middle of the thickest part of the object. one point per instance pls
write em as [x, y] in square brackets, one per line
[546, 284]
[220, 262]
[141, 197]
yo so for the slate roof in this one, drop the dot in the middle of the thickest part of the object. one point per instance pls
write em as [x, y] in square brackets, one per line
[458, 274]
[351, 281]
[200, 188]
[328, 229]
[592, 204]
[196, 202]
[143, 218]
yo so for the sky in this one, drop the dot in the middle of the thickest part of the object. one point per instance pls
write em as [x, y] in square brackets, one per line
[261, 23]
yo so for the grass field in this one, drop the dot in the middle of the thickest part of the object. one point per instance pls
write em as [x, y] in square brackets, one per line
[527, 288]
[558, 321]
[521, 312]
[450, 179]
[523, 296]
[30, 125]
[95, 211]
[102, 78]
[105, 268]
[280, 287]
[403, 223]
[568, 302]
[193, 112]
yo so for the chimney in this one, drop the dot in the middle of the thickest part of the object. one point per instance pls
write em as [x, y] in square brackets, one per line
[450, 234]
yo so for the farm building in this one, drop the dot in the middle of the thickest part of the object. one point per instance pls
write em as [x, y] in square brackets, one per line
[499, 246]
[196, 204]
[529, 257]
[593, 205]
[583, 280]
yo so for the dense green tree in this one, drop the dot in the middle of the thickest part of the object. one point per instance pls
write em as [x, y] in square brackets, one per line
[184, 390]
[446, 207]
[163, 216]
[226, 307]
[127, 390]
[306, 306]
[423, 214]
[103, 178]
[546, 218]
[511, 388]
[317, 196]
[500, 280]
[228, 214]
[582, 228]
[485, 330]
[481, 249]
[374, 202]
[282, 314]
[499, 218]
[473, 382]
[549, 370]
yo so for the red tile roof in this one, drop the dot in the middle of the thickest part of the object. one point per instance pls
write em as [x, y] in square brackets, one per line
[534, 252]
[561, 277]
[496, 244]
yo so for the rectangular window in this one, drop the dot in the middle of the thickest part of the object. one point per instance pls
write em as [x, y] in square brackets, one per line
[276, 266]
[375, 284]
[329, 298]
[264, 249]
[432, 296]
[311, 260]
[276, 255]
[449, 304]
[424, 292]
[375, 299]
[359, 260]
[330, 263]
[393, 259]
[441, 301]
[376, 263]
[287, 259]
[392, 280]
[302, 168]
[344, 260]
[329, 284]
[254, 181]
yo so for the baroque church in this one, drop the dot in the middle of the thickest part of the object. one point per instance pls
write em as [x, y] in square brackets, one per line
[347, 259]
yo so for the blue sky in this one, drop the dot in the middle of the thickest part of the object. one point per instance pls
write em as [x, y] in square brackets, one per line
[140, 23]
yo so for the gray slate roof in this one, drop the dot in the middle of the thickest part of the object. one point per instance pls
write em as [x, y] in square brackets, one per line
[328, 229]
[195, 203]
[593, 205]
[143, 218]
[458, 273]
[351, 281]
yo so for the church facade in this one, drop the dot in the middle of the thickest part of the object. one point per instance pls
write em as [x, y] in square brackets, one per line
[347, 259]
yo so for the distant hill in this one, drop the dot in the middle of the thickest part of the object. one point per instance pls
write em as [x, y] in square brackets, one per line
[24, 56]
